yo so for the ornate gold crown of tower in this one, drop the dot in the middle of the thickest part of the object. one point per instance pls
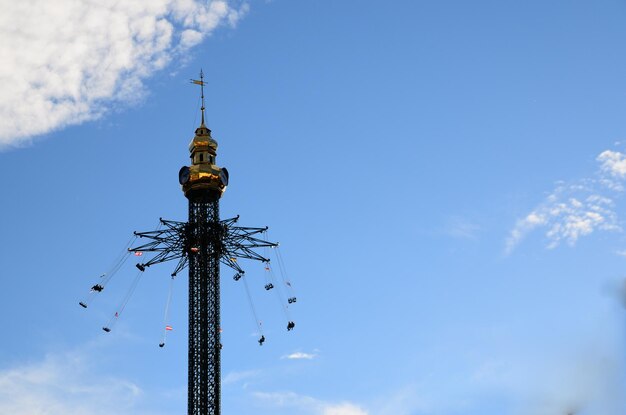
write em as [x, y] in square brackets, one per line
[203, 175]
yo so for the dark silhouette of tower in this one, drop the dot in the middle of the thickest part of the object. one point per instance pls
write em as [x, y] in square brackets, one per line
[203, 243]
[203, 183]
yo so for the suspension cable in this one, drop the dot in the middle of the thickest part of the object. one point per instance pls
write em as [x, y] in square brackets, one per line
[122, 305]
[256, 319]
[166, 326]
[284, 305]
[104, 279]
[283, 271]
[279, 294]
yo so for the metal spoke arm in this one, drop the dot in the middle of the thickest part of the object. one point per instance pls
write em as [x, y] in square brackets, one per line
[171, 243]
[168, 243]
[231, 262]
[164, 257]
[239, 242]
[182, 264]
[244, 253]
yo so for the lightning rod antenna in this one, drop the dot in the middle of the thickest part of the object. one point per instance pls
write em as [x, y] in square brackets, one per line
[202, 94]
[201, 83]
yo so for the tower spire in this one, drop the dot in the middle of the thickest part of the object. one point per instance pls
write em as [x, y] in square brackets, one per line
[201, 83]
[202, 94]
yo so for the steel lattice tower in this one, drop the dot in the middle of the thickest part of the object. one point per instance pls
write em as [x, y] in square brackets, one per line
[204, 305]
[202, 243]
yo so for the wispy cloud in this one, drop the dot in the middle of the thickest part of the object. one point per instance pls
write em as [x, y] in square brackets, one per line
[61, 385]
[458, 227]
[299, 356]
[307, 405]
[343, 409]
[588, 381]
[573, 210]
[66, 62]
[234, 377]
[613, 163]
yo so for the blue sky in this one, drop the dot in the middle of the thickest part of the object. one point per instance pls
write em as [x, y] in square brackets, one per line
[446, 180]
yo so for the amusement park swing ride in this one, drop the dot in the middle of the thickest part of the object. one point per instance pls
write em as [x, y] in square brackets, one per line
[201, 244]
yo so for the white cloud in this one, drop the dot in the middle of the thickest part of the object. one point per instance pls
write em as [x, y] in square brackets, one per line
[67, 61]
[558, 383]
[577, 209]
[307, 405]
[343, 409]
[567, 220]
[460, 228]
[574, 219]
[234, 377]
[300, 355]
[411, 399]
[613, 163]
[61, 385]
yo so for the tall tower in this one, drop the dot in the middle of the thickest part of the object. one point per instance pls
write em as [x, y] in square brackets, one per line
[202, 243]
[203, 184]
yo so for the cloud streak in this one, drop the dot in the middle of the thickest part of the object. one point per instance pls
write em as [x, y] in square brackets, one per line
[300, 356]
[67, 62]
[585, 378]
[235, 377]
[460, 228]
[574, 210]
[60, 385]
[307, 405]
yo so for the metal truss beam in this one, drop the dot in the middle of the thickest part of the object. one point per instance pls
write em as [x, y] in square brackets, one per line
[172, 241]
